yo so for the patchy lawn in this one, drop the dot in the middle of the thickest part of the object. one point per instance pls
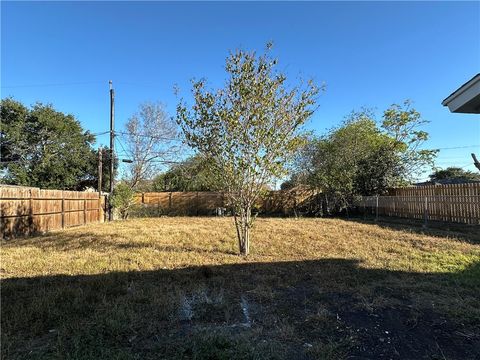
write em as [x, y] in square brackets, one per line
[174, 288]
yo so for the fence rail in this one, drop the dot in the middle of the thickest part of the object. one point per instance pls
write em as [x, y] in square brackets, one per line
[283, 202]
[25, 211]
[29, 210]
[448, 203]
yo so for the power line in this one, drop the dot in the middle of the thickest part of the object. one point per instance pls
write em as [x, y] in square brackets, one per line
[128, 154]
[121, 145]
[124, 133]
[167, 161]
[100, 133]
[159, 137]
[451, 158]
[53, 84]
[78, 83]
[458, 147]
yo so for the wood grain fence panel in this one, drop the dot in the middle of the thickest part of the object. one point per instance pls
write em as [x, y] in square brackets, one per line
[451, 203]
[206, 202]
[25, 211]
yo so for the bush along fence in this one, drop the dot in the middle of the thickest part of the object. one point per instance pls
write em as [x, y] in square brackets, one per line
[26, 211]
[279, 203]
[458, 203]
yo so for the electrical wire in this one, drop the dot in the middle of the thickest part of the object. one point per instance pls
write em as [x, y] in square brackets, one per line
[458, 147]
[148, 136]
[100, 133]
[121, 145]
[53, 84]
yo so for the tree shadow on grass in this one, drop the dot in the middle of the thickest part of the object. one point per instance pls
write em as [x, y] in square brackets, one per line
[17, 221]
[463, 232]
[327, 309]
[65, 241]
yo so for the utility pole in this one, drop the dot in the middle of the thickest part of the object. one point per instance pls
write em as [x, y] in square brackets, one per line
[100, 170]
[112, 145]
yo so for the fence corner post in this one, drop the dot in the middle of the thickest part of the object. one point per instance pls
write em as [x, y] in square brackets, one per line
[376, 209]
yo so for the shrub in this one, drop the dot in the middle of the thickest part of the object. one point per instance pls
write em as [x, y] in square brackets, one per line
[122, 199]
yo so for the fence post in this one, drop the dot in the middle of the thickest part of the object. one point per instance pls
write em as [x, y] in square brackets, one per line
[425, 212]
[376, 209]
[364, 208]
[31, 220]
[84, 210]
[99, 207]
[196, 204]
[105, 202]
[63, 210]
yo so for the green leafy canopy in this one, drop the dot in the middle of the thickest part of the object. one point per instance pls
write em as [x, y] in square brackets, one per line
[45, 148]
[363, 157]
[250, 129]
[253, 126]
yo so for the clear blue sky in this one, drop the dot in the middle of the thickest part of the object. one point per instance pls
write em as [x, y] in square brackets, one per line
[369, 54]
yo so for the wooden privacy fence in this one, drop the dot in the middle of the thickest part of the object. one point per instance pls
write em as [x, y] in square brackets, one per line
[181, 203]
[206, 202]
[458, 203]
[25, 211]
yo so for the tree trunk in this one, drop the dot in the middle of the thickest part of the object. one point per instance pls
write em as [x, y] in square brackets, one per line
[243, 222]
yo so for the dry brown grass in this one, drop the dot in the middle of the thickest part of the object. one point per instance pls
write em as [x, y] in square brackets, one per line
[172, 243]
[124, 282]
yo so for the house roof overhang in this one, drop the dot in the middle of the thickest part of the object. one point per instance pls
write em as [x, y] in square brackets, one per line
[466, 99]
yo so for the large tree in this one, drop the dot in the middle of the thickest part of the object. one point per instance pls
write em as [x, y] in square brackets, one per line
[454, 173]
[404, 124]
[362, 157]
[151, 140]
[250, 129]
[43, 147]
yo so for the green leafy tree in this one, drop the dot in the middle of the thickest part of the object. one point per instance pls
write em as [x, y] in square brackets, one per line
[122, 199]
[45, 148]
[193, 174]
[364, 158]
[403, 123]
[454, 173]
[249, 129]
[345, 160]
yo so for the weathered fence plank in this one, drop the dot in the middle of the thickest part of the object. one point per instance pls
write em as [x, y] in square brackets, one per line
[25, 211]
[450, 203]
[206, 202]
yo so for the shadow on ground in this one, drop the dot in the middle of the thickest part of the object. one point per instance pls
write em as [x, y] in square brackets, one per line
[464, 232]
[322, 309]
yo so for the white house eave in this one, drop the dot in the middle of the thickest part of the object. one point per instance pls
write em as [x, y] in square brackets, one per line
[468, 93]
